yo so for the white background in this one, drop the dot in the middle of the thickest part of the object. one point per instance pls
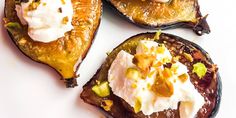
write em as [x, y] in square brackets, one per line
[32, 90]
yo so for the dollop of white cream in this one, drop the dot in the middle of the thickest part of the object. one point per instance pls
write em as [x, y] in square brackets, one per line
[184, 92]
[45, 23]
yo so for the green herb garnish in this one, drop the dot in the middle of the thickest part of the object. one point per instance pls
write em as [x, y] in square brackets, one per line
[200, 69]
[102, 89]
[11, 26]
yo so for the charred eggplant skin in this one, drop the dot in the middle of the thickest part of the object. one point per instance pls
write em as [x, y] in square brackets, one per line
[65, 54]
[218, 99]
[200, 27]
[120, 108]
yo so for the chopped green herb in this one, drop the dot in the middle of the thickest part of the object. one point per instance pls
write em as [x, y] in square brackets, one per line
[11, 26]
[200, 69]
[102, 89]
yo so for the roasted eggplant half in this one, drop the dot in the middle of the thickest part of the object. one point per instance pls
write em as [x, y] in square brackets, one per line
[63, 54]
[162, 14]
[203, 76]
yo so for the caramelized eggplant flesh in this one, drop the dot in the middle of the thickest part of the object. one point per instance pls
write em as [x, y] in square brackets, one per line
[209, 86]
[64, 54]
[155, 15]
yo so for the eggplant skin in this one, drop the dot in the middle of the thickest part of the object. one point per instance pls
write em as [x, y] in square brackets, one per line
[120, 109]
[66, 53]
[129, 9]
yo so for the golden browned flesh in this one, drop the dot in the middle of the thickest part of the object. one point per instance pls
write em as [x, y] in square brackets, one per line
[153, 14]
[66, 53]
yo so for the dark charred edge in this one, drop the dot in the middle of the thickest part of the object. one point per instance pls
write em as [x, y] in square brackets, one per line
[83, 93]
[84, 96]
[219, 82]
[71, 82]
[218, 100]
[200, 28]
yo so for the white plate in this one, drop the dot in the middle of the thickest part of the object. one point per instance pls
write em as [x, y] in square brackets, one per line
[32, 90]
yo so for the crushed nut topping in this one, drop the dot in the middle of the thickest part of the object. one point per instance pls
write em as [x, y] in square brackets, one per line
[63, 2]
[60, 10]
[183, 77]
[33, 5]
[65, 20]
[144, 62]
[188, 57]
[107, 104]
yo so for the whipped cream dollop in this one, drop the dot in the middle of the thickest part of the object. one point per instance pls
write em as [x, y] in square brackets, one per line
[47, 20]
[147, 94]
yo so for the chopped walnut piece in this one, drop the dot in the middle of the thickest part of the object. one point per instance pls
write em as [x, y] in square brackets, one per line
[33, 5]
[183, 77]
[144, 62]
[188, 57]
[63, 2]
[163, 87]
[65, 20]
[60, 10]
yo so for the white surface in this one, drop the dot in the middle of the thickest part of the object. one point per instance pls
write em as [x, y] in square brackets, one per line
[32, 90]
